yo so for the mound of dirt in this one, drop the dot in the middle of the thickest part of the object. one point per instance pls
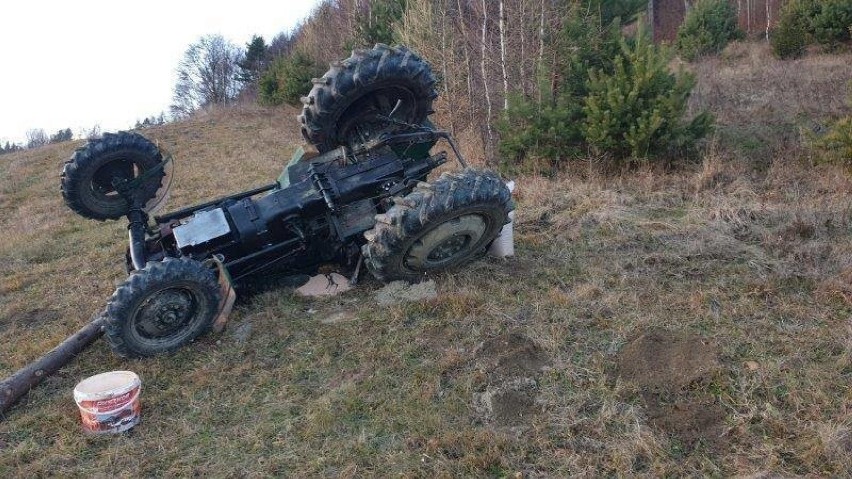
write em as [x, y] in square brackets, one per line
[660, 360]
[511, 355]
[690, 420]
[510, 404]
[512, 364]
[669, 369]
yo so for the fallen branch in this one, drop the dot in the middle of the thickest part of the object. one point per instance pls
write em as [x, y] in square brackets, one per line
[17, 385]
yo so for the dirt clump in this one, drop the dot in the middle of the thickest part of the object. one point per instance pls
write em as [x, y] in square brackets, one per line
[690, 420]
[669, 369]
[661, 360]
[511, 355]
[510, 404]
[512, 364]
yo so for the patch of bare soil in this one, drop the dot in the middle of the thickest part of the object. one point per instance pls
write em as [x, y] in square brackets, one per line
[512, 364]
[690, 420]
[511, 403]
[670, 369]
[661, 360]
[511, 355]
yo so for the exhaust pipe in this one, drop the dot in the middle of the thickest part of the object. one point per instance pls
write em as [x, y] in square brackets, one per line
[136, 231]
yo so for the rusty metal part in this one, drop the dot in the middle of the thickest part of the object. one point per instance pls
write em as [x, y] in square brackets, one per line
[229, 296]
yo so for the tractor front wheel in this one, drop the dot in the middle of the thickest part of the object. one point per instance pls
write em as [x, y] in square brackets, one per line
[89, 178]
[353, 102]
[162, 307]
[438, 226]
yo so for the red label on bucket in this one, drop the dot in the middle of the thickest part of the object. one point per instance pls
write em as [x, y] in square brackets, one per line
[105, 405]
[109, 402]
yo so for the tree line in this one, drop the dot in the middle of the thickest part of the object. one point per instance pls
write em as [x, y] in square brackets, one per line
[519, 79]
[37, 137]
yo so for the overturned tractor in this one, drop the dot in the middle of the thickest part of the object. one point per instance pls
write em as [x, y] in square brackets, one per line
[361, 198]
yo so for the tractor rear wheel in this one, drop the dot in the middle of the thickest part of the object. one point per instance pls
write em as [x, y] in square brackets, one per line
[89, 177]
[438, 226]
[351, 103]
[162, 307]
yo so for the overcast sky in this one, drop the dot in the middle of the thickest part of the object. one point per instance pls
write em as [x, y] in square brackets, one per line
[75, 64]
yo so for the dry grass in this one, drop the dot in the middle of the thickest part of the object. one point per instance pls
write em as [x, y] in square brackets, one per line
[756, 265]
[762, 104]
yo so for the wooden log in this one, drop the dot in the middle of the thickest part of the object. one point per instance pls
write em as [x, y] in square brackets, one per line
[17, 385]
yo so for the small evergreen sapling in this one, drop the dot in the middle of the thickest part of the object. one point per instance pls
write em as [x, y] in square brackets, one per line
[637, 111]
[709, 26]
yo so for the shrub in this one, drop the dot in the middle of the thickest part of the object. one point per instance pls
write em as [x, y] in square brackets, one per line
[636, 112]
[831, 23]
[835, 146]
[288, 79]
[376, 24]
[804, 22]
[615, 96]
[61, 135]
[709, 26]
[552, 127]
[551, 131]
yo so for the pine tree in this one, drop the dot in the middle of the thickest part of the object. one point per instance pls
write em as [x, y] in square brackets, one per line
[288, 79]
[255, 61]
[708, 28]
[607, 93]
[636, 111]
[377, 26]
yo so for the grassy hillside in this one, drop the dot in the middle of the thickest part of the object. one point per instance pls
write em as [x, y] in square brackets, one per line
[688, 322]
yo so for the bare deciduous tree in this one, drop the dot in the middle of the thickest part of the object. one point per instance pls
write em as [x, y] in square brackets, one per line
[36, 137]
[483, 64]
[207, 75]
[503, 56]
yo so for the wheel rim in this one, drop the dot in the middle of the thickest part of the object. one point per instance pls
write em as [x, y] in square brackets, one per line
[100, 193]
[165, 316]
[448, 243]
[361, 121]
[107, 175]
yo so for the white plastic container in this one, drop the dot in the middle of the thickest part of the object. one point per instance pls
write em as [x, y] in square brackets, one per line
[109, 402]
[504, 245]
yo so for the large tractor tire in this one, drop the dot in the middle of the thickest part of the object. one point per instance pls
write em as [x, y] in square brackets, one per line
[88, 178]
[350, 103]
[437, 226]
[162, 307]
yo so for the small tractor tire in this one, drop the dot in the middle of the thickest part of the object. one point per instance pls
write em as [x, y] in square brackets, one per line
[348, 105]
[437, 226]
[88, 176]
[162, 307]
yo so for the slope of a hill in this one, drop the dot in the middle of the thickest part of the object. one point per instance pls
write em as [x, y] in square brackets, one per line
[683, 323]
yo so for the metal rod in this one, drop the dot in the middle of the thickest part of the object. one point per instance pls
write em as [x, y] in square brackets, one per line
[459, 156]
[136, 232]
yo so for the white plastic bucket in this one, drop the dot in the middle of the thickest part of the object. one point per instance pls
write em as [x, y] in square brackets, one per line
[504, 245]
[109, 402]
